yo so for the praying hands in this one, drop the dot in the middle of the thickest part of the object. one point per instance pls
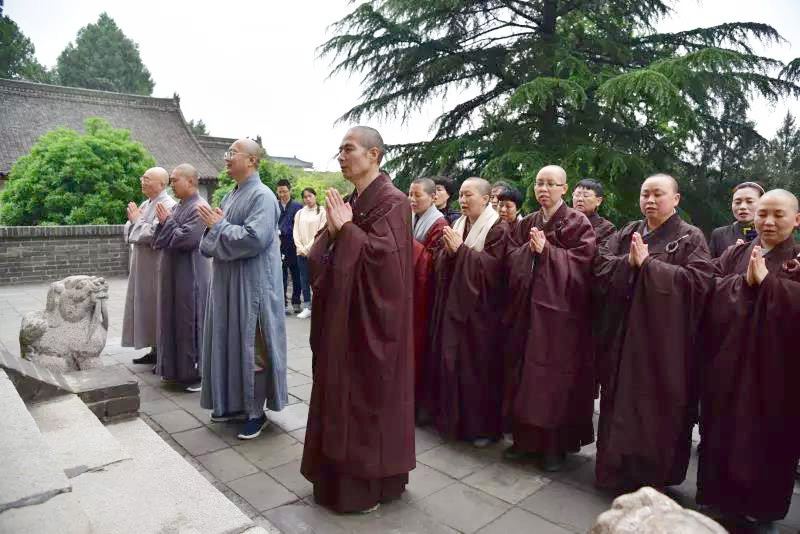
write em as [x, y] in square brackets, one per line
[452, 239]
[538, 240]
[133, 212]
[339, 212]
[209, 216]
[638, 252]
[162, 213]
[756, 268]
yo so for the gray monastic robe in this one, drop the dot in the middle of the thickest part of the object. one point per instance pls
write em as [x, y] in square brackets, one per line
[139, 322]
[246, 291]
[182, 291]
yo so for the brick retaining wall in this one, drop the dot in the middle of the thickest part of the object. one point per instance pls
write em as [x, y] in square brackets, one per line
[30, 254]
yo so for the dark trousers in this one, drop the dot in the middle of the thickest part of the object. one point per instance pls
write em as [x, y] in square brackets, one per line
[305, 279]
[290, 267]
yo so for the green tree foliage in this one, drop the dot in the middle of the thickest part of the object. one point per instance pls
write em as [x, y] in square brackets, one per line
[104, 58]
[271, 172]
[587, 84]
[198, 128]
[17, 55]
[73, 178]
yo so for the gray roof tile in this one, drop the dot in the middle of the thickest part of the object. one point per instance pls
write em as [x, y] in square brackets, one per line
[28, 110]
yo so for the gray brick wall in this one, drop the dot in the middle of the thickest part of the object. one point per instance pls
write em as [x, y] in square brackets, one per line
[31, 254]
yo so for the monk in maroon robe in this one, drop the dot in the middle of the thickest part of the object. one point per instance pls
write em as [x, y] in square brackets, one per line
[427, 224]
[587, 198]
[654, 276]
[552, 378]
[465, 373]
[750, 415]
[359, 444]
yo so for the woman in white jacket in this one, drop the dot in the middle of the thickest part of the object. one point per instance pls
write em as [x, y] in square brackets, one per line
[307, 222]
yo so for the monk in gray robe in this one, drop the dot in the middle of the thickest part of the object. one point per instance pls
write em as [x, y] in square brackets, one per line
[182, 282]
[139, 321]
[244, 340]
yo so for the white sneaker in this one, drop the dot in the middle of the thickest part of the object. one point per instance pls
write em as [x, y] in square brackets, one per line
[305, 314]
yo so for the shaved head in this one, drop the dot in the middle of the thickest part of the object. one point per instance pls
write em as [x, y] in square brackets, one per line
[369, 138]
[188, 171]
[783, 196]
[672, 181]
[553, 171]
[483, 186]
[427, 185]
[158, 173]
[776, 217]
[249, 147]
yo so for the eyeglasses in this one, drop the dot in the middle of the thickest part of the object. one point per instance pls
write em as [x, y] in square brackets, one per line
[230, 154]
[582, 194]
[549, 185]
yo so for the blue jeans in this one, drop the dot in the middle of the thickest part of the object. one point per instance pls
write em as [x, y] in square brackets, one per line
[305, 279]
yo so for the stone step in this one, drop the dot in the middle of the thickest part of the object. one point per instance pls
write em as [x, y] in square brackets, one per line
[154, 491]
[79, 441]
[34, 491]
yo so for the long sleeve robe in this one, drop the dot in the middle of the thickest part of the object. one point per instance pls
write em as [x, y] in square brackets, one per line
[182, 291]
[464, 373]
[648, 353]
[603, 228]
[723, 237]
[750, 417]
[245, 294]
[139, 318]
[550, 376]
[423, 296]
[360, 431]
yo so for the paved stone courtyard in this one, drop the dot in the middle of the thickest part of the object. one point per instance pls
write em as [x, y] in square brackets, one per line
[455, 487]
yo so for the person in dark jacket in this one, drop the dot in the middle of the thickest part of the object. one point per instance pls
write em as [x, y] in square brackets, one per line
[445, 189]
[288, 208]
[743, 206]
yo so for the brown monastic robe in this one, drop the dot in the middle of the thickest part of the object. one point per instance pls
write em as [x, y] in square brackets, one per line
[359, 444]
[603, 228]
[463, 378]
[647, 353]
[423, 296]
[552, 373]
[750, 417]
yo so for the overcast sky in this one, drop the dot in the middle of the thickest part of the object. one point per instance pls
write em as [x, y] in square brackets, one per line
[250, 67]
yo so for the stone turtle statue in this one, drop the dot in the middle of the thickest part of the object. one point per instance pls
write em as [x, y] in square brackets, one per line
[71, 333]
[647, 511]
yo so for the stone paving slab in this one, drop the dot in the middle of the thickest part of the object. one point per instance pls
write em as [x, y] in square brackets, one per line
[455, 487]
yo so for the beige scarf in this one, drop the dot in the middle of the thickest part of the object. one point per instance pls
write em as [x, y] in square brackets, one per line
[477, 234]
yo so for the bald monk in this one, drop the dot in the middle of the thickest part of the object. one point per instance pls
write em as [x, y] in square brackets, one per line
[551, 379]
[743, 206]
[587, 198]
[427, 224]
[244, 338]
[183, 282]
[654, 276]
[464, 380]
[359, 444]
[139, 319]
[750, 416]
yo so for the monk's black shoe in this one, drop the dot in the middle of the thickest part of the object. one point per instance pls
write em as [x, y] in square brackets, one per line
[514, 453]
[150, 358]
[553, 462]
